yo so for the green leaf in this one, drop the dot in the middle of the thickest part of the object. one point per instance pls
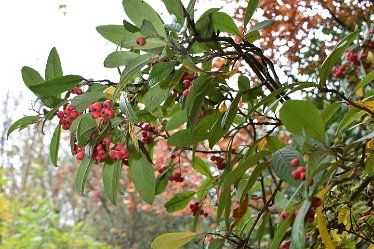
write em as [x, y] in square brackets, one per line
[281, 232]
[55, 144]
[224, 23]
[133, 67]
[82, 174]
[201, 166]
[222, 125]
[176, 120]
[119, 58]
[173, 240]
[368, 78]
[57, 86]
[179, 201]
[298, 227]
[111, 174]
[85, 129]
[273, 144]
[216, 244]
[127, 109]
[22, 123]
[53, 68]
[81, 102]
[203, 188]
[352, 115]
[281, 165]
[143, 176]
[260, 25]
[181, 139]
[369, 165]
[250, 10]
[31, 77]
[113, 33]
[147, 29]
[330, 111]
[154, 97]
[335, 55]
[138, 10]
[160, 71]
[162, 182]
[294, 119]
[253, 178]
[175, 7]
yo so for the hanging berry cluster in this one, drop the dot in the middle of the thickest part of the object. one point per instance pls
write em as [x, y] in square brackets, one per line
[300, 172]
[219, 161]
[148, 132]
[187, 82]
[104, 110]
[195, 207]
[67, 116]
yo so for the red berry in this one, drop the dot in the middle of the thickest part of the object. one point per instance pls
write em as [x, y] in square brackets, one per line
[80, 156]
[60, 114]
[74, 114]
[311, 182]
[296, 175]
[295, 162]
[95, 115]
[213, 158]
[106, 140]
[301, 169]
[316, 202]
[97, 106]
[205, 214]
[69, 107]
[107, 104]
[284, 215]
[186, 92]
[140, 41]
[186, 83]
[302, 176]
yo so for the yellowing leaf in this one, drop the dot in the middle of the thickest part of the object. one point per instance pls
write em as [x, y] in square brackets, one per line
[222, 108]
[360, 92]
[321, 194]
[323, 231]
[109, 92]
[173, 240]
[370, 57]
[369, 145]
[366, 103]
[229, 74]
[263, 142]
[133, 135]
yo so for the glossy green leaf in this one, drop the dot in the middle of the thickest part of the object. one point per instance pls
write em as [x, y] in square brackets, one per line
[250, 10]
[53, 68]
[85, 129]
[294, 119]
[201, 166]
[335, 55]
[330, 111]
[57, 86]
[31, 77]
[81, 102]
[260, 25]
[133, 67]
[176, 120]
[173, 240]
[368, 78]
[281, 232]
[281, 165]
[216, 244]
[253, 178]
[273, 144]
[22, 123]
[181, 139]
[162, 182]
[119, 58]
[143, 176]
[113, 33]
[352, 115]
[126, 108]
[203, 188]
[111, 174]
[155, 96]
[82, 174]
[179, 201]
[138, 10]
[224, 23]
[298, 227]
[160, 71]
[175, 7]
[55, 145]
[147, 29]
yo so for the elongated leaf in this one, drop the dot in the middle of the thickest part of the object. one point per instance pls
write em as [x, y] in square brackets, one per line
[201, 166]
[22, 123]
[352, 115]
[369, 165]
[127, 109]
[55, 144]
[176, 120]
[31, 77]
[160, 71]
[224, 23]
[82, 174]
[173, 240]
[260, 25]
[216, 244]
[175, 7]
[273, 144]
[53, 68]
[181, 138]
[368, 78]
[250, 10]
[179, 201]
[281, 164]
[81, 102]
[281, 232]
[119, 58]
[330, 111]
[138, 10]
[335, 55]
[132, 68]
[155, 96]
[253, 178]
[86, 128]
[143, 176]
[113, 33]
[111, 174]
[56, 86]
[323, 231]
[162, 182]
[298, 227]
[294, 119]
[204, 187]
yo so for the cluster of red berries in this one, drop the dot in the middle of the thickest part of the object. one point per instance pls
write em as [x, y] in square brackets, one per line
[187, 81]
[67, 116]
[77, 91]
[148, 132]
[338, 72]
[309, 217]
[352, 58]
[100, 150]
[119, 152]
[102, 110]
[177, 177]
[220, 162]
[300, 172]
[194, 207]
